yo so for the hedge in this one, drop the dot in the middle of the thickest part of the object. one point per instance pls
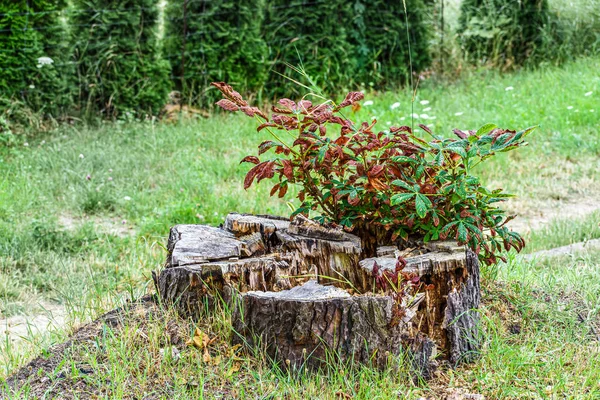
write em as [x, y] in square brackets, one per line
[116, 52]
[222, 43]
[502, 32]
[381, 41]
[33, 59]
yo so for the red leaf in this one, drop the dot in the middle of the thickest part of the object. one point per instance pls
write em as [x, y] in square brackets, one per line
[375, 171]
[274, 189]
[283, 190]
[230, 94]
[228, 105]
[288, 169]
[351, 98]
[252, 111]
[265, 125]
[426, 129]
[460, 134]
[250, 159]
[266, 145]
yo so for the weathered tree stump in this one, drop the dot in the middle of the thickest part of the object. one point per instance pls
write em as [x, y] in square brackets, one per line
[302, 291]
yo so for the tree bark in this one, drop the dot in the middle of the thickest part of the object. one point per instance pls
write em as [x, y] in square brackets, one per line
[306, 293]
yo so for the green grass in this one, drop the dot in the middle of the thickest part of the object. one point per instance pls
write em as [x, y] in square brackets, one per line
[64, 238]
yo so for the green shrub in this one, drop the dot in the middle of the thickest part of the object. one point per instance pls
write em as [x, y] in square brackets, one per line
[381, 42]
[30, 32]
[118, 67]
[502, 32]
[314, 37]
[222, 42]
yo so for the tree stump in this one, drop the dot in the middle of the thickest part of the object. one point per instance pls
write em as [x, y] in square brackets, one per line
[303, 291]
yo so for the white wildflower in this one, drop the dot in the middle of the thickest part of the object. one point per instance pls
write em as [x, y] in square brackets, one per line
[424, 116]
[45, 61]
[570, 108]
[127, 198]
[592, 110]
[427, 109]
[81, 156]
[424, 102]
[402, 118]
[415, 115]
[26, 144]
[458, 114]
[588, 94]
[394, 106]
[31, 86]
[432, 117]
[368, 103]
[508, 88]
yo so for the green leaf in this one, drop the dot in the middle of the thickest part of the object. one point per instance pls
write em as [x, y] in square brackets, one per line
[401, 198]
[402, 184]
[485, 129]
[422, 205]
[404, 159]
[462, 232]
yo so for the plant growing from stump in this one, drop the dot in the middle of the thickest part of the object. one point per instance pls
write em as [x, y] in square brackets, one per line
[388, 186]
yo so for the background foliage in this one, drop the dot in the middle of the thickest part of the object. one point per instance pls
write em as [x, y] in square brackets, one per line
[381, 46]
[215, 41]
[116, 53]
[30, 29]
[502, 32]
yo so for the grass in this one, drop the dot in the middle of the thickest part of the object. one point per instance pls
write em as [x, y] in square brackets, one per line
[85, 211]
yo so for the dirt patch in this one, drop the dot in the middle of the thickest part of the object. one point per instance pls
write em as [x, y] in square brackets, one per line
[538, 217]
[14, 329]
[105, 225]
[43, 377]
[593, 244]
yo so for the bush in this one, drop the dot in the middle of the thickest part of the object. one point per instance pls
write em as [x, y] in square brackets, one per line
[386, 185]
[502, 32]
[33, 56]
[223, 42]
[313, 37]
[116, 53]
[381, 42]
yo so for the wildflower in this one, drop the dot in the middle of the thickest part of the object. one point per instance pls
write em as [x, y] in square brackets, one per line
[394, 106]
[424, 116]
[88, 177]
[199, 216]
[110, 179]
[458, 114]
[570, 108]
[26, 144]
[124, 221]
[32, 86]
[368, 103]
[45, 61]
[424, 102]
[415, 115]
[127, 198]
[427, 109]
[592, 110]
[110, 170]
[81, 156]
[402, 118]
[508, 88]
[588, 94]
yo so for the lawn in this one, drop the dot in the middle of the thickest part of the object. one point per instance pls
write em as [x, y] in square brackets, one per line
[85, 211]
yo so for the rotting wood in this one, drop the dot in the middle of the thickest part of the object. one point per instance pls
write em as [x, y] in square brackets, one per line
[297, 287]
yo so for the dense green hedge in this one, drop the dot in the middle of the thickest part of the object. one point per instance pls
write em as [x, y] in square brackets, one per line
[116, 53]
[314, 37]
[381, 42]
[30, 30]
[502, 32]
[222, 43]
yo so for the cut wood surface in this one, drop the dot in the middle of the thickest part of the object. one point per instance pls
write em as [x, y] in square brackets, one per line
[302, 290]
